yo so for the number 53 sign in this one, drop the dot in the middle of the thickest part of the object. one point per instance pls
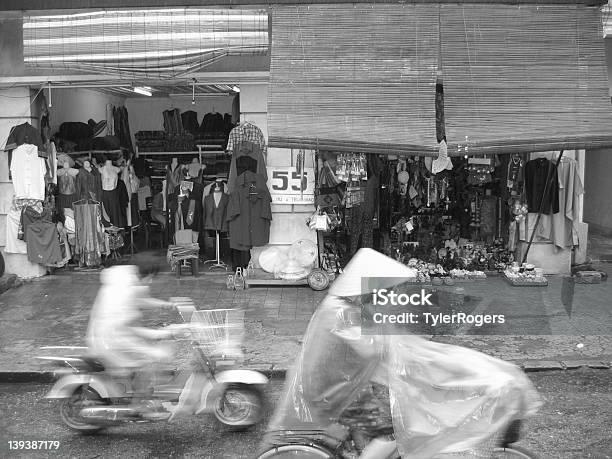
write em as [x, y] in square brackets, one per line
[288, 187]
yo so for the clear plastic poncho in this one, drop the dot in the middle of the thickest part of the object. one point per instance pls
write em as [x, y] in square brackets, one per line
[444, 398]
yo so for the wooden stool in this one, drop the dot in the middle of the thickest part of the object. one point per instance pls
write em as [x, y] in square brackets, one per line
[195, 266]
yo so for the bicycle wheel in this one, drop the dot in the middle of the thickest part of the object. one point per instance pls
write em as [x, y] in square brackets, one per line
[297, 452]
[513, 452]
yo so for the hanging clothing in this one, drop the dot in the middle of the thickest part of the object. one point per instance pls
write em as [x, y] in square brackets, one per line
[174, 175]
[564, 231]
[536, 173]
[66, 178]
[31, 215]
[191, 206]
[248, 156]
[89, 184]
[25, 134]
[215, 211]
[28, 172]
[115, 203]
[52, 163]
[132, 185]
[249, 212]
[43, 243]
[13, 222]
[240, 258]
[246, 132]
[89, 234]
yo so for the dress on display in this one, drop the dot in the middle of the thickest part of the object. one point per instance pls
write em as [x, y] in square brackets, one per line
[110, 195]
[89, 234]
[89, 184]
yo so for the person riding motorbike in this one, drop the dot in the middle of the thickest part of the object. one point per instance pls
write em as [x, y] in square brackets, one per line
[117, 337]
[345, 369]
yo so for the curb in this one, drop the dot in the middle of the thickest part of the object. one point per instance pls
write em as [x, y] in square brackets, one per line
[529, 366]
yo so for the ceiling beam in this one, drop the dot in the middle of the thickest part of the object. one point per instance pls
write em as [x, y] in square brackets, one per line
[202, 78]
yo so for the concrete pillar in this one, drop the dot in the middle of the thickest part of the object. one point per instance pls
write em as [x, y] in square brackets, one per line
[14, 110]
[288, 221]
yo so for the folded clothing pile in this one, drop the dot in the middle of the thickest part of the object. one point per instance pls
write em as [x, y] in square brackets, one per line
[178, 253]
[151, 141]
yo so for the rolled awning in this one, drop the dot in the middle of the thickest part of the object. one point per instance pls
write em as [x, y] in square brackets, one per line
[524, 78]
[358, 77]
[155, 43]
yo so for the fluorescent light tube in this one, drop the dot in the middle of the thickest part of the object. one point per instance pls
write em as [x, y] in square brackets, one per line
[144, 90]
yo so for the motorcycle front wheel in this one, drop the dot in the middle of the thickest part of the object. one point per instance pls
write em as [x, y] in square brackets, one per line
[70, 409]
[240, 407]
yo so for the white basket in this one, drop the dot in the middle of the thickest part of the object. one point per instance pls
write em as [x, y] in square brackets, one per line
[219, 331]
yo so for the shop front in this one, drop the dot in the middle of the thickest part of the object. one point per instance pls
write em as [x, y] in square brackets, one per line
[444, 137]
[134, 131]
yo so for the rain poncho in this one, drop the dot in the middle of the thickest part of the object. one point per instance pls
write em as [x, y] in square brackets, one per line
[112, 332]
[443, 398]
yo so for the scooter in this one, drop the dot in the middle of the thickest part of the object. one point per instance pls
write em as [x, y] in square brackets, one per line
[93, 398]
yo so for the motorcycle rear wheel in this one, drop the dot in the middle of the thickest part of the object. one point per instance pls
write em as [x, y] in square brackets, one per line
[297, 452]
[240, 407]
[512, 452]
[82, 397]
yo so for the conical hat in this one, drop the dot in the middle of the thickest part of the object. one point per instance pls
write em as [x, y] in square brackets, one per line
[369, 263]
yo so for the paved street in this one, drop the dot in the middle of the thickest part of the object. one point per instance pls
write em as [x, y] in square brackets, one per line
[554, 323]
[574, 423]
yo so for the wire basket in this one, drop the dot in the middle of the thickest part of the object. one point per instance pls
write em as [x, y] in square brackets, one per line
[220, 332]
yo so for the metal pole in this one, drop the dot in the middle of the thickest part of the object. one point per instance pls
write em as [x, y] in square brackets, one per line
[551, 173]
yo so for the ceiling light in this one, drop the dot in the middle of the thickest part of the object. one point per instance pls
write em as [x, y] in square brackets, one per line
[235, 89]
[144, 90]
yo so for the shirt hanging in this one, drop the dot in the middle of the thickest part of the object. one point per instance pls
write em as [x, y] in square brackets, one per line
[246, 132]
[28, 172]
[536, 173]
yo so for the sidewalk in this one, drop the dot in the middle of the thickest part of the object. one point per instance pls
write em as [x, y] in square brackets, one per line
[563, 332]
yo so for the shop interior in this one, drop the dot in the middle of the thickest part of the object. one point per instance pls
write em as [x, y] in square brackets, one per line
[465, 217]
[135, 167]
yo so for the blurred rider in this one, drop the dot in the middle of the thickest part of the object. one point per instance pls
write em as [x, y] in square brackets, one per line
[116, 334]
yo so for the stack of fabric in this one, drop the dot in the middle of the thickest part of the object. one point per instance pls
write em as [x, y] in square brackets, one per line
[151, 141]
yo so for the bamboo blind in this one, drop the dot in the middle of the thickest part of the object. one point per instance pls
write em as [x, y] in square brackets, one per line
[524, 76]
[143, 43]
[353, 75]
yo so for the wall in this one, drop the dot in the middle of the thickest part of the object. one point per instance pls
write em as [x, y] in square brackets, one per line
[146, 112]
[14, 110]
[78, 105]
[598, 189]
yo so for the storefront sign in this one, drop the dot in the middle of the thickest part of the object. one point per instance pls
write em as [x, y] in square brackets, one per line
[288, 187]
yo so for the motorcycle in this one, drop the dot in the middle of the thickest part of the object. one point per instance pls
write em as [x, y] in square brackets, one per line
[355, 392]
[94, 397]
